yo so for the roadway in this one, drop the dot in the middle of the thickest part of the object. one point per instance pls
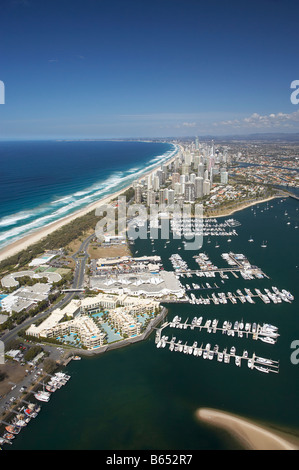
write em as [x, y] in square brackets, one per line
[80, 258]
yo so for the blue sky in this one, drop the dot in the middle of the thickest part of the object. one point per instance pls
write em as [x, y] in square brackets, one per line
[158, 68]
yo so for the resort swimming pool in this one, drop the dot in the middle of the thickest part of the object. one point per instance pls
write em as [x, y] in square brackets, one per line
[2, 296]
[111, 335]
[97, 315]
[72, 338]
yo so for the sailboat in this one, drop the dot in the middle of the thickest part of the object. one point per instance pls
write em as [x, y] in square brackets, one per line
[264, 245]
[250, 239]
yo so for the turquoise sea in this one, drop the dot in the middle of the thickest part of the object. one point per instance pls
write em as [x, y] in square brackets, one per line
[43, 181]
[141, 397]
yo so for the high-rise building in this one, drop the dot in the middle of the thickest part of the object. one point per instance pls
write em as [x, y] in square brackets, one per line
[192, 177]
[189, 192]
[175, 179]
[224, 177]
[170, 196]
[206, 187]
[196, 161]
[201, 170]
[149, 182]
[156, 183]
[177, 164]
[198, 187]
[178, 189]
[165, 195]
[138, 194]
[161, 196]
[185, 169]
[212, 158]
[151, 197]
[183, 182]
[161, 175]
[188, 159]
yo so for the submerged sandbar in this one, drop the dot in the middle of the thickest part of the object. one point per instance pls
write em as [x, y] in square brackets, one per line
[250, 435]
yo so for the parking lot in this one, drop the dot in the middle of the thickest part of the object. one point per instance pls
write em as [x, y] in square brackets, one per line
[20, 378]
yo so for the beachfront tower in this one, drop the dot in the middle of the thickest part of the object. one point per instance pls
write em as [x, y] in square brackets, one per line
[198, 187]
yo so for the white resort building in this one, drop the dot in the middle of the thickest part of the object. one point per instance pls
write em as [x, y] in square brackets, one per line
[122, 311]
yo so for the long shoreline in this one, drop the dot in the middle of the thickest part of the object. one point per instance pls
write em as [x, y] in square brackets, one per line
[250, 435]
[244, 206]
[34, 237]
[37, 235]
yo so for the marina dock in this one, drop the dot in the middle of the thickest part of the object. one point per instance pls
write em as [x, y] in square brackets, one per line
[207, 352]
[238, 263]
[265, 332]
[267, 297]
[24, 413]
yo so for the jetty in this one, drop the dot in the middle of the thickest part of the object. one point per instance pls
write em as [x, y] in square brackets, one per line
[267, 297]
[226, 355]
[265, 332]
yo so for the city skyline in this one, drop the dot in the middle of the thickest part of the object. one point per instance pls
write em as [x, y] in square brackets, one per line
[152, 69]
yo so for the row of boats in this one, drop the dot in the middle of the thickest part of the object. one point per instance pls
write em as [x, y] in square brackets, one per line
[247, 274]
[22, 418]
[56, 382]
[266, 332]
[26, 413]
[204, 262]
[198, 274]
[276, 296]
[205, 227]
[178, 263]
[206, 352]
[207, 269]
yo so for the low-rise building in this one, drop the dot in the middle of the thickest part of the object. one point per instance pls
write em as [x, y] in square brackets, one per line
[101, 300]
[124, 322]
[122, 311]
[45, 328]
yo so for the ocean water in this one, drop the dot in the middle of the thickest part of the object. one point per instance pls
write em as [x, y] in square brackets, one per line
[40, 182]
[141, 397]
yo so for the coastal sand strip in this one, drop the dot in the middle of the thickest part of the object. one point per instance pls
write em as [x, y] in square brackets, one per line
[39, 234]
[249, 435]
[241, 207]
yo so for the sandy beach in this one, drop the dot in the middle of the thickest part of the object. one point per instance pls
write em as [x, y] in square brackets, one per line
[228, 213]
[250, 435]
[39, 234]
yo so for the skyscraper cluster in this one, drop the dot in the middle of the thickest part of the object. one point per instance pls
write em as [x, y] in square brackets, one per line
[188, 178]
